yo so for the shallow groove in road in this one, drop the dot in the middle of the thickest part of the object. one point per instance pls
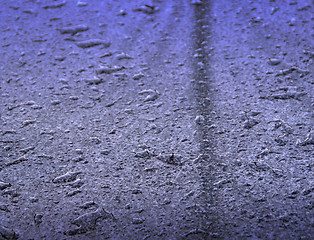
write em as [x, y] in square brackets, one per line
[202, 93]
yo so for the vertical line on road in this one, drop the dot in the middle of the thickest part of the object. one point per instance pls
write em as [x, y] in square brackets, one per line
[202, 93]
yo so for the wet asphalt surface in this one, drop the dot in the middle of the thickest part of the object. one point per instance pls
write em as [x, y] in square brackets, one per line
[156, 120]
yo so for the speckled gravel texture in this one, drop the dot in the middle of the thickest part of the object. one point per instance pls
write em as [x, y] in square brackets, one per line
[156, 119]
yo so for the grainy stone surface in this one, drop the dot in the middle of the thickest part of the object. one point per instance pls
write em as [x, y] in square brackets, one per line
[156, 119]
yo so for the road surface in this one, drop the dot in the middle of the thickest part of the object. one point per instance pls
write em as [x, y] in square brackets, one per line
[156, 119]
